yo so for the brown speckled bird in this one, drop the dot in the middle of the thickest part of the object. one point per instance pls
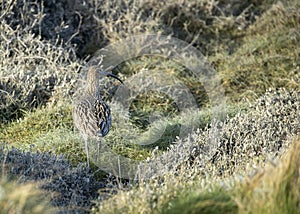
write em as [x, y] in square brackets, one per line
[91, 114]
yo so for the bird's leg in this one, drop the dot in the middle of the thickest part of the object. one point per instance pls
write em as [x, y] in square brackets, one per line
[87, 152]
[99, 147]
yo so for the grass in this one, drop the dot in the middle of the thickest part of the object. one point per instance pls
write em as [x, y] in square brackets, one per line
[27, 129]
[23, 198]
[271, 189]
[253, 47]
[53, 133]
[217, 201]
[267, 57]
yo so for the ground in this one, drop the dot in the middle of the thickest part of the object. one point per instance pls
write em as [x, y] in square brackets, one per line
[205, 160]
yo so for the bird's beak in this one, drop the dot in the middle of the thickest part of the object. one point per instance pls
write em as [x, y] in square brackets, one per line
[108, 74]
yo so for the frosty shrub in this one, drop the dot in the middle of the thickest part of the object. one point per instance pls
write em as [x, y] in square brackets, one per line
[257, 135]
[32, 71]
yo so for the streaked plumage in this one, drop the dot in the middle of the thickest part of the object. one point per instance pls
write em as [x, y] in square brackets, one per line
[91, 114]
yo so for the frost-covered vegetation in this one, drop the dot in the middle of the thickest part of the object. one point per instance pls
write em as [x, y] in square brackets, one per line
[249, 165]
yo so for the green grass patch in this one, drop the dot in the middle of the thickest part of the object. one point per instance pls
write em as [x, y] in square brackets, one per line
[216, 201]
[46, 129]
[36, 123]
[267, 58]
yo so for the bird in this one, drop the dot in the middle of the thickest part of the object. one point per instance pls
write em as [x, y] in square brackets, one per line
[91, 115]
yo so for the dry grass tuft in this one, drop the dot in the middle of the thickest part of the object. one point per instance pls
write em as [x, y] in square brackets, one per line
[274, 189]
[23, 198]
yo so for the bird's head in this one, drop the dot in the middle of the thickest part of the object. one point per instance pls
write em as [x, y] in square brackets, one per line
[95, 73]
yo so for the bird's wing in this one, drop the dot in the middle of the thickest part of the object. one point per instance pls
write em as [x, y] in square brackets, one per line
[102, 113]
[84, 118]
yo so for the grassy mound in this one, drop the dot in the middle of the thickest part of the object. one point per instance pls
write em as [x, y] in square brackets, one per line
[271, 188]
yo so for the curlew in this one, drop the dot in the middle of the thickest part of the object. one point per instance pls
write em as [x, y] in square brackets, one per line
[91, 115]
